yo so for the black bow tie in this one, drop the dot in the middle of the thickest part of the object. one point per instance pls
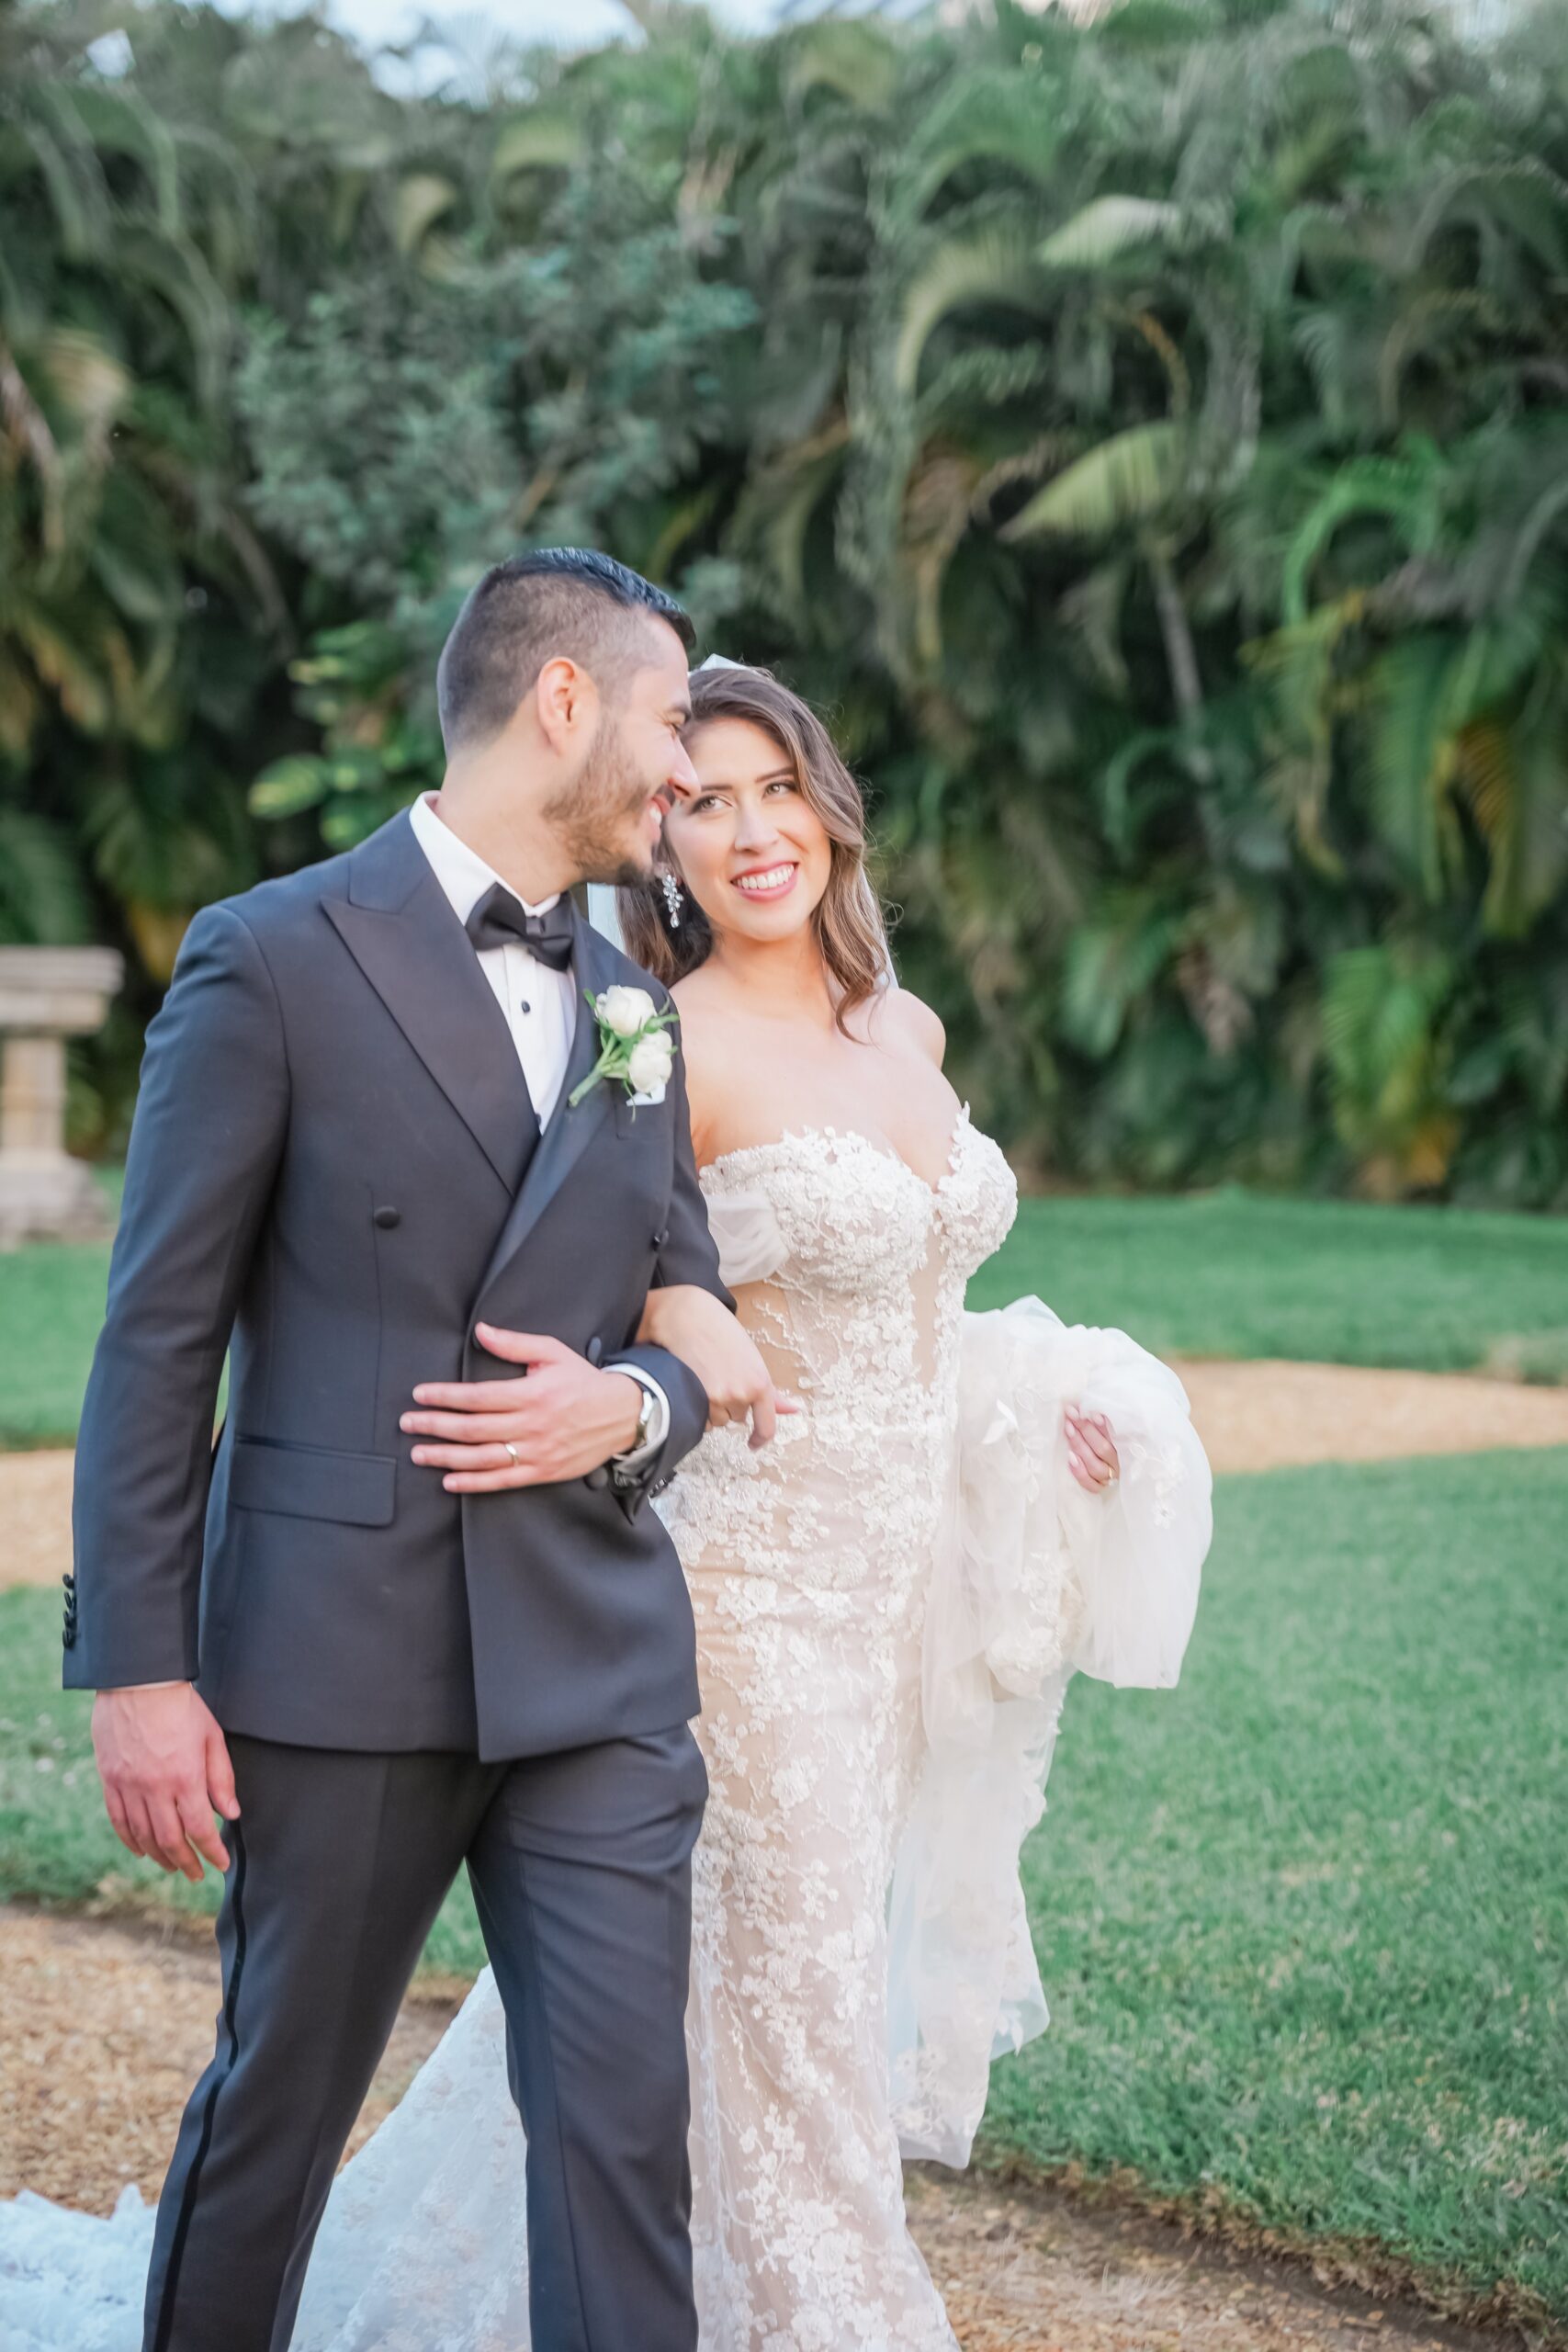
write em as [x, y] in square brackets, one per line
[499, 917]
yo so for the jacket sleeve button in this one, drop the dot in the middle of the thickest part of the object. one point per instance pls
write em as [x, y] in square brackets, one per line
[595, 1348]
[386, 1219]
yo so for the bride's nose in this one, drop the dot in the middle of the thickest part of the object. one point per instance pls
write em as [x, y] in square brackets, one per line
[754, 826]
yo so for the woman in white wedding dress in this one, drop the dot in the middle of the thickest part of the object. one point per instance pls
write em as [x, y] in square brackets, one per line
[889, 1602]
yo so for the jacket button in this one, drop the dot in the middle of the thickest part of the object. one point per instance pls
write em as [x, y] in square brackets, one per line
[386, 1219]
[595, 1348]
[596, 1478]
[660, 1238]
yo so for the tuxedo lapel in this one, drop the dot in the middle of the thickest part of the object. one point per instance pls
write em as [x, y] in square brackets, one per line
[569, 1131]
[397, 924]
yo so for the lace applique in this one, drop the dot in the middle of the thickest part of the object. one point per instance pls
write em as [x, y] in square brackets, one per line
[808, 1565]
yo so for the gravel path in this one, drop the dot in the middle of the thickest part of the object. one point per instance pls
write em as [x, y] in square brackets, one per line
[1262, 1416]
[103, 2026]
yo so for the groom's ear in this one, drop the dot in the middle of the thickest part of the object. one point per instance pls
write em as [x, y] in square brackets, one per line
[564, 703]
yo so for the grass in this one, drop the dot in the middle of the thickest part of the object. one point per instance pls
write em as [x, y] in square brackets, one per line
[1303, 1922]
[1225, 1274]
[52, 1303]
[1237, 1274]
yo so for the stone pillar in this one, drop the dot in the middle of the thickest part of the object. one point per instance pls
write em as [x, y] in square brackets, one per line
[46, 994]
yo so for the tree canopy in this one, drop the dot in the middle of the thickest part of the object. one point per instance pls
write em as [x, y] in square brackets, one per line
[1146, 440]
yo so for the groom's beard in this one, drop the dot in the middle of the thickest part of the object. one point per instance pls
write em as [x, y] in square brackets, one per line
[591, 818]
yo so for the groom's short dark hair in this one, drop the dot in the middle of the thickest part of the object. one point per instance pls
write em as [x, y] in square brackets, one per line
[526, 611]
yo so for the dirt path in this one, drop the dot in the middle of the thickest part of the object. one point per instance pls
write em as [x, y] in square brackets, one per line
[1260, 1416]
[103, 2027]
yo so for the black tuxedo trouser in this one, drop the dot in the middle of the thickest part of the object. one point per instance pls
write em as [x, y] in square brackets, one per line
[581, 1864]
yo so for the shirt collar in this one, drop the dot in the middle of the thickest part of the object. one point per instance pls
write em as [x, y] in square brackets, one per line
[461, 872]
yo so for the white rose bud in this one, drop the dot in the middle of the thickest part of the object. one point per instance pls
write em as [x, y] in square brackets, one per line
[626, 1010]
[652, 1059]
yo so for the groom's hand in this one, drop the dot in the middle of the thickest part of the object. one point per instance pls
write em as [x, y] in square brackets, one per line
[165, 1769]
[562, 1419]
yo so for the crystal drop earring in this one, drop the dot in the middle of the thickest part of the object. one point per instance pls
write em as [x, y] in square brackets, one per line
[672, 900]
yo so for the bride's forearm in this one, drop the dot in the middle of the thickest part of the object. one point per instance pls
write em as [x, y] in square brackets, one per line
[695, 1326]
[682, 1308]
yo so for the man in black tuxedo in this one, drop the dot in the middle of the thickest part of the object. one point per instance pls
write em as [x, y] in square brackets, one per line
[355, 1168]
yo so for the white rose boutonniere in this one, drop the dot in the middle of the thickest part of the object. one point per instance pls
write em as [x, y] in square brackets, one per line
[635, 1045]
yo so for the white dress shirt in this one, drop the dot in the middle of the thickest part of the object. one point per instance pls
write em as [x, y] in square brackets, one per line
[540, 1010]
[539, 1005]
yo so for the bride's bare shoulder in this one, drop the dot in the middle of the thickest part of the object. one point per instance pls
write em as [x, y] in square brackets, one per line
[719, 1057]
[706, 1013]
[906, 1020]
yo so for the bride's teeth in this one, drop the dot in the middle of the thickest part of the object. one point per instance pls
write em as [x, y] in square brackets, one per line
[754, 882]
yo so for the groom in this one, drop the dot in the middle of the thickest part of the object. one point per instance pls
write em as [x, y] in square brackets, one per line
[356, 1168]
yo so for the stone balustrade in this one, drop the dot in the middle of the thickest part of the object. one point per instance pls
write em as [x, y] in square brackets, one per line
[46, 994]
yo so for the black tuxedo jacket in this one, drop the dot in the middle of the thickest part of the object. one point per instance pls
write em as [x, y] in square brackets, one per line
[335, 1171]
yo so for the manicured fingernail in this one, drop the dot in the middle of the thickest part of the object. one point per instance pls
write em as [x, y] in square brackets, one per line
[407, 1422]
[422, 1396]
[420, 1454]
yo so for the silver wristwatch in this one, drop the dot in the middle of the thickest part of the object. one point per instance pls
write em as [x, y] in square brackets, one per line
[646, 1422]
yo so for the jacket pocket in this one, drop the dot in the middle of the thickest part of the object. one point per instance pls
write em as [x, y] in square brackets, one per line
[310, 1482]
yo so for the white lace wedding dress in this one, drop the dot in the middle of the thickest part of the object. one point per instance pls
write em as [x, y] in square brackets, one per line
[890, 1601]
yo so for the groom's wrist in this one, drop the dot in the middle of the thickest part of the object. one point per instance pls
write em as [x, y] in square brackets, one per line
[629, 1463]
[625, 1435]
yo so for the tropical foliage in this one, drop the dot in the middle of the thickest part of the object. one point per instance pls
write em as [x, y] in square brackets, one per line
[1147, 439]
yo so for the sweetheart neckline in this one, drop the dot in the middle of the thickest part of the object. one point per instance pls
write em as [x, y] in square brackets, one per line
[961, 1127]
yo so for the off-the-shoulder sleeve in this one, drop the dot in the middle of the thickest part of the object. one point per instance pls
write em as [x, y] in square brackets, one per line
[746, 1231]
[1037, 1580]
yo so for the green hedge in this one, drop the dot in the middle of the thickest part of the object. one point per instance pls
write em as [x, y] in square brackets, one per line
[1145, 439]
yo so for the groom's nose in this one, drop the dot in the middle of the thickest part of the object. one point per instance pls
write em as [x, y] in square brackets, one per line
[682, 778]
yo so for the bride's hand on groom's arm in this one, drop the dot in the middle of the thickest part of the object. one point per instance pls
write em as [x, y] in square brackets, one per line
[698, 1328]
[165, 1769]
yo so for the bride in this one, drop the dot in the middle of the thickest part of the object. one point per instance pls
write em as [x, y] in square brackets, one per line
[889, 1600]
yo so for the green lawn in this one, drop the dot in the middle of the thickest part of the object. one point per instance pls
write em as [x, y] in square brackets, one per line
[52, 1303]
[1228, 1273]
[1238, 1273]
[1303, 1922]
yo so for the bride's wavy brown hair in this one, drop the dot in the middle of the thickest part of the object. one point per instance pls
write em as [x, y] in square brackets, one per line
[851, 931]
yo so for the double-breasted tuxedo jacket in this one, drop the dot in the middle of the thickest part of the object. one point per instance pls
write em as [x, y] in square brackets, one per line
[336, 1171]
